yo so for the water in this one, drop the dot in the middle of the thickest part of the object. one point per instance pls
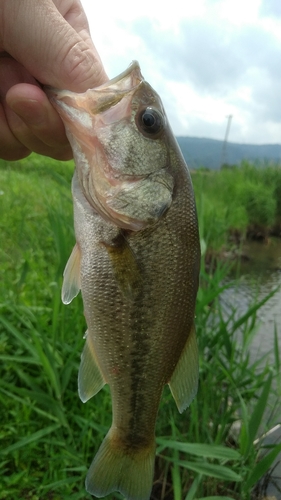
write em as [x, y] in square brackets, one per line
[257, 276]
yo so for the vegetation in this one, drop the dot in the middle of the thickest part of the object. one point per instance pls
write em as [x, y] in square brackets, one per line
[238, 201]
[48, 437]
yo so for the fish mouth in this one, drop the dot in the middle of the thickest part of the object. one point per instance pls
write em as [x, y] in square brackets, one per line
[133, 71]
[102, 97]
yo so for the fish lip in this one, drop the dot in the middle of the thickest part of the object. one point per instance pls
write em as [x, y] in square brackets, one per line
[102, 98]
[133, 66]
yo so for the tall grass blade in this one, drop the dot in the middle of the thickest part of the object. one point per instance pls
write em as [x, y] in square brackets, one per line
[244, 438]
[253, 309]
[30, 439]
[48, 363]
[258, 412]
[259, 409]
[21, 338]
[216, 498]
[176, 478]
[27, 403]
[60, 483]
[276, 349]
[194, 487]
[262, 467]
[201, 450]
[213, 470]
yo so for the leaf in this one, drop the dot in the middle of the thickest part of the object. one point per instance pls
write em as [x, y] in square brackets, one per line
[252, 310]
[48, 363]
[276, 349]
[215, 498]
[250, 426]
[58, 484]
[176, 480]
[25, 401]
[201, 450]
[20, 359]
[30, 439]
[262, 467]
[259, 409]
[16, 333]
[213, 470]
[244, 433]
[192, 490]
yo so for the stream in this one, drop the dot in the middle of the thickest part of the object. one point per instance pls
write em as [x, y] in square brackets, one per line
[253, 279]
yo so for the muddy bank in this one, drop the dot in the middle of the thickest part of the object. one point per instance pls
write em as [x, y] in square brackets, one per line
[236, 248]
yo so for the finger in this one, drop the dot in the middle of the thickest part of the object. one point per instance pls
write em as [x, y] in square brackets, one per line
[11, 149]
[63, 59]
[25, 136]
[31, 104]
[28, 117]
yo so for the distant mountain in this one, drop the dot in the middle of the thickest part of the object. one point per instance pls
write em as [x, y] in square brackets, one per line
[209, 152]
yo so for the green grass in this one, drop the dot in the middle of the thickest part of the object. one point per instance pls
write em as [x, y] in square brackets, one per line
[237, 200]
[48, 437]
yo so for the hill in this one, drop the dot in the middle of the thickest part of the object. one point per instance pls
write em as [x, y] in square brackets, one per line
[201, 152]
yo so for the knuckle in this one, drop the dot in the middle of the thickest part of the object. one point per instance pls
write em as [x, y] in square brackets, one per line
[81, 67]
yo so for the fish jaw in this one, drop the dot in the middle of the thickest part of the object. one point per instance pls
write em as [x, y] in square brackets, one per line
[132, 199]
[78, 110]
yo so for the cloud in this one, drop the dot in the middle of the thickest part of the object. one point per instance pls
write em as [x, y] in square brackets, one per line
[214, 59]
[271, 8]
[238, 66]
[206, 59]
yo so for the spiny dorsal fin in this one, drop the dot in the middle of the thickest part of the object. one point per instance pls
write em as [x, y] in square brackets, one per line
[184, 381]
[71, 276]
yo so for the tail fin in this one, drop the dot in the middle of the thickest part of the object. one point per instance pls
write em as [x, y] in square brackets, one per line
[115, 469]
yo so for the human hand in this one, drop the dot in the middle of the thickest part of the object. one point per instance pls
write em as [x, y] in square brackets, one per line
[41, 43]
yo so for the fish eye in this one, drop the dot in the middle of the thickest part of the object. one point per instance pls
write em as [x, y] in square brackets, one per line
[150, 121]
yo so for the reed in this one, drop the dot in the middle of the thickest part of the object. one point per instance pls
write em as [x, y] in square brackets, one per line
[236, 200]
[48, 437]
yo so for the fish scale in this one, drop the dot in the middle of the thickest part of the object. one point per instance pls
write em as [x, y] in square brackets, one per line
[136, 260]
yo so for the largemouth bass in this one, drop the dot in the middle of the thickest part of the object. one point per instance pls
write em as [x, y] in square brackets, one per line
[136, 261]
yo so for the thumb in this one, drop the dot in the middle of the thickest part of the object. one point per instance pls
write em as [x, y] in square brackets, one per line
[38, 36]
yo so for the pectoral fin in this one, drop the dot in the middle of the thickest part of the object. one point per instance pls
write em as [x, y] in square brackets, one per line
[71, 276]
[125, 266]
[184, 381]
[90, 378]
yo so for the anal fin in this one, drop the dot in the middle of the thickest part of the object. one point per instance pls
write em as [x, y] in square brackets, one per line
[71, 276]
[184, 381]
[90, 378]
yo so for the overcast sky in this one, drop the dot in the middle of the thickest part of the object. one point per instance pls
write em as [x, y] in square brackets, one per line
[207, 59]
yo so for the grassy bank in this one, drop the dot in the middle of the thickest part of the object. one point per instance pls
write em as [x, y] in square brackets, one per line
[48, 437]
[237, 202]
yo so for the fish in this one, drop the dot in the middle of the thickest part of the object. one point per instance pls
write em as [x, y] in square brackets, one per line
[136, 261]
